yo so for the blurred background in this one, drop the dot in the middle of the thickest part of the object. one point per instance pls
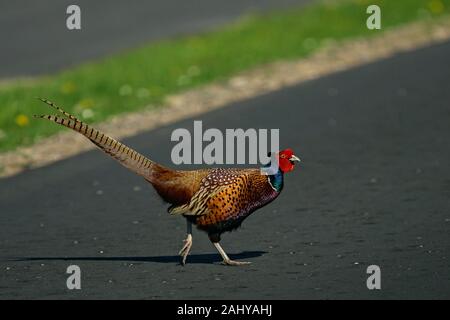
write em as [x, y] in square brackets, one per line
[129, 56]
[367, 111]
[38, 43]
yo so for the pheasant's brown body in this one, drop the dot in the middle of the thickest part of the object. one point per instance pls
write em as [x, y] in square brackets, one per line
[216, 200]
[225, 198]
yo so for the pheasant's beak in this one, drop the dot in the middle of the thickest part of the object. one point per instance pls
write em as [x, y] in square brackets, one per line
[294, 159]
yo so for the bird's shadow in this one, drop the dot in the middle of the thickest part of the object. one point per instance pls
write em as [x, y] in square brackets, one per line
[195, 258]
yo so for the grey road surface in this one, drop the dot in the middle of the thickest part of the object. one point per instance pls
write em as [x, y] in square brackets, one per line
[35, 40]
[373, 189]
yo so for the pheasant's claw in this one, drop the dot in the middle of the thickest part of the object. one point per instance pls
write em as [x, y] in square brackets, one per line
[186, 249]
[230, 262]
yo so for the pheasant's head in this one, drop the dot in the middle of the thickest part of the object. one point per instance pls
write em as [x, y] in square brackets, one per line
[286, 160]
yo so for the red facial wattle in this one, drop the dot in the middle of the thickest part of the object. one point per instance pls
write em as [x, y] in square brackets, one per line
[286, 165]
[283, 160]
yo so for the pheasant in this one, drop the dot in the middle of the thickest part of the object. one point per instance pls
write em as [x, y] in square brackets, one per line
[215, 200]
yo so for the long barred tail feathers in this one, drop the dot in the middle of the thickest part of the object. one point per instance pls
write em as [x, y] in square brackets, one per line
[125, 155]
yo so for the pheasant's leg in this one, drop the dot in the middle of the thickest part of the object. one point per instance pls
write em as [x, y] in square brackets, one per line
[226, 260]
[187, 244]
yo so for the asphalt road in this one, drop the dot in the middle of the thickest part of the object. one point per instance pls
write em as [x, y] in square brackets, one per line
[35, 39]
[374, 188]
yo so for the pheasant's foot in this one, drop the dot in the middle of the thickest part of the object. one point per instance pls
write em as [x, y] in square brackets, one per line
[186, 249]
[230, 262]
[226, 260]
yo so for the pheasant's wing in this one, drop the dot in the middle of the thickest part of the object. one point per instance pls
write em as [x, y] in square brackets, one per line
[222, 185]
[199, 203]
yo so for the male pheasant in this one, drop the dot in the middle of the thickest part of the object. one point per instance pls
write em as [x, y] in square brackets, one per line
[215, 200]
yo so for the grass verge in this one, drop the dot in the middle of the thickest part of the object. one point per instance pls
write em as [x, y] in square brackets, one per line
[145, 76]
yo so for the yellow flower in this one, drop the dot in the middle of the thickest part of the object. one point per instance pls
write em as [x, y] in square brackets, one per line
[436, 6]
[86, 103]
[68, 87]
[22, 120]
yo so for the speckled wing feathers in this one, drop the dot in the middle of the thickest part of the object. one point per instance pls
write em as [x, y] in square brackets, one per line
[214, 184]
[226, 194]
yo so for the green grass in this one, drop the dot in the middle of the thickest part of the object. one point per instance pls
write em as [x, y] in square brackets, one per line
[145, 76]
